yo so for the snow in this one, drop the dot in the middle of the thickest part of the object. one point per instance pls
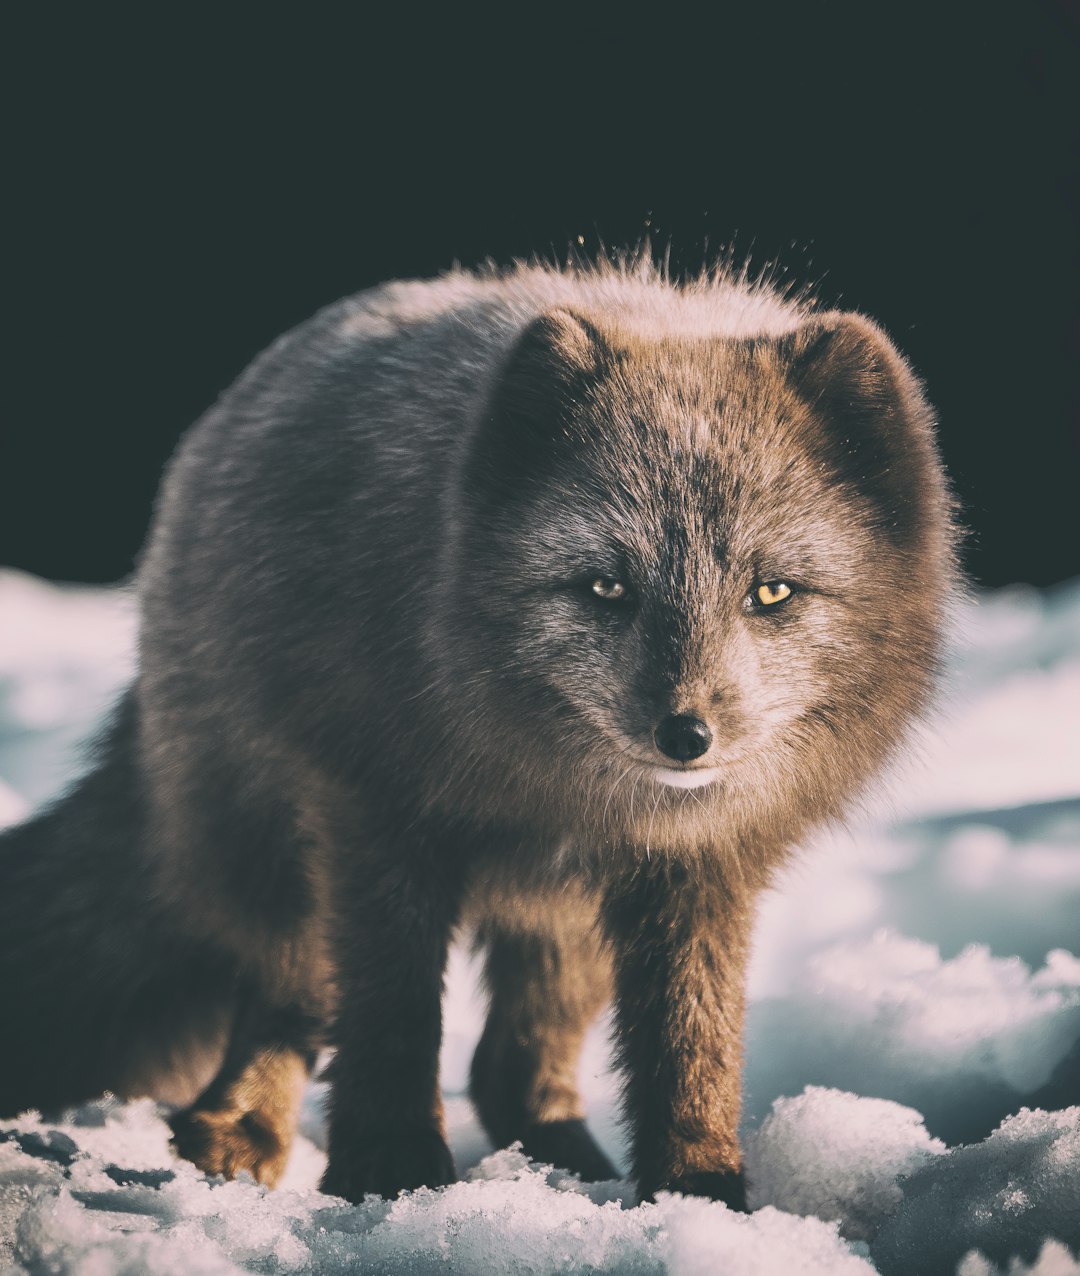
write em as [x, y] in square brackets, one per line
[961, 1041]
[912, 1092]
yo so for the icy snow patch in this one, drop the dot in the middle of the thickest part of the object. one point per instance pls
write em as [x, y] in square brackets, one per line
[1002, 1197]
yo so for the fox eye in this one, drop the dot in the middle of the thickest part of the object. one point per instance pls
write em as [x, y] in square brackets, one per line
[609, 589]
[770, 593]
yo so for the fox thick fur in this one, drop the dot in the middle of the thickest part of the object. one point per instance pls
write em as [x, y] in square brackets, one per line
[554, 605]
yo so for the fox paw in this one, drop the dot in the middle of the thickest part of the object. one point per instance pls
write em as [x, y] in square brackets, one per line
[728, 1186]
[387, 1164]
[227, 1142]
[568, 1145]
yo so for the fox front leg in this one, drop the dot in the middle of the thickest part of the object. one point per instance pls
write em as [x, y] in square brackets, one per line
[680, 947]
[387, 1132]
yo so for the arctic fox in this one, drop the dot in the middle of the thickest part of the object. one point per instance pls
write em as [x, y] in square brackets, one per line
[554, 604]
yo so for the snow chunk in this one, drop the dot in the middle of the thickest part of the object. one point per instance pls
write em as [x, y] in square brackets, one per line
[702, 1239]
[838, 1157]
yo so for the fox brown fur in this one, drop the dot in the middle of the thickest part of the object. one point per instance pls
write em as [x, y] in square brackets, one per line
[555, 604]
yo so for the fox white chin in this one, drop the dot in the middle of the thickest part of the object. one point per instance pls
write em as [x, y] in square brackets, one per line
[686, 779]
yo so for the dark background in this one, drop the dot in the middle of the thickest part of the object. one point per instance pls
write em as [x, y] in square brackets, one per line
[184, 188]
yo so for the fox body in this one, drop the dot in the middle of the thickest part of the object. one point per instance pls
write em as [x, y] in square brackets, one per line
[558, 605]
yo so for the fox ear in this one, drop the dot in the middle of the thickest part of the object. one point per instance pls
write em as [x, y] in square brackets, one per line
[559, 339]
[878, 428]
[846, 364]
[530, 412]
[548, 369]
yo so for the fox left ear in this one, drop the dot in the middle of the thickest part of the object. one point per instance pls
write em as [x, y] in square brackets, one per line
[846, 363]
[879, 429]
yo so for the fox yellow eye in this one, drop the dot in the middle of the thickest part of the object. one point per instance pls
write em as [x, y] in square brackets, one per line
[771, 593]
[610, 590]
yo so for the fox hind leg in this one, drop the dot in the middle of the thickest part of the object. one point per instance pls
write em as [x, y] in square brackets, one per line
[547, 979]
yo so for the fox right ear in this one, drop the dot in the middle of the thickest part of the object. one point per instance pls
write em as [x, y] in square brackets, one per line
[549, 371]
[559, 339]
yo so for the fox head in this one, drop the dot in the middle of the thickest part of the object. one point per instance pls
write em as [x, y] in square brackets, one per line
[703, 577]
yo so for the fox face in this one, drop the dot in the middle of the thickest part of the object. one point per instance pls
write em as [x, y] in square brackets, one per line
[705, 573]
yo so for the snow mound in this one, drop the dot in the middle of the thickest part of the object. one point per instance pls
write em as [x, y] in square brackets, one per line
[838, 1157]
[84, 1198]
[962, 1041]
[100, 1193]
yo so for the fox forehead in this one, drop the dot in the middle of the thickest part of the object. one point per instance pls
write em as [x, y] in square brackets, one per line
[638, 504]
[712, 415]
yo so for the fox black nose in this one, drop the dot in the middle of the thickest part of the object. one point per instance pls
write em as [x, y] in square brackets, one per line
[682, 737]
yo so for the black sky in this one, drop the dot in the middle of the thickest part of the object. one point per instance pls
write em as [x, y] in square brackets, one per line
[183, 188]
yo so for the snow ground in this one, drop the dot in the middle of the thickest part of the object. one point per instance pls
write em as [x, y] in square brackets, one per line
[913, 1045]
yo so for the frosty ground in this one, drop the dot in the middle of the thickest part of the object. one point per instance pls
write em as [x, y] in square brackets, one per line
[913, 1045]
